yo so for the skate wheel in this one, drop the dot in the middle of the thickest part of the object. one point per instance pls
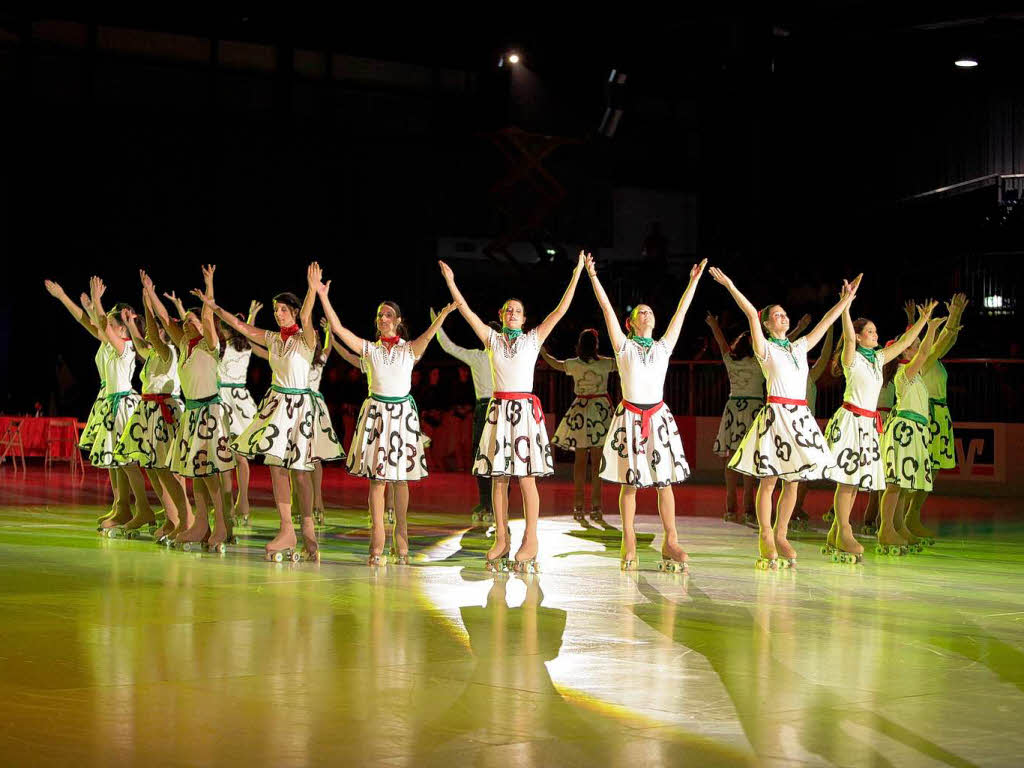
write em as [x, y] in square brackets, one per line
[278, 557]
[296, 557]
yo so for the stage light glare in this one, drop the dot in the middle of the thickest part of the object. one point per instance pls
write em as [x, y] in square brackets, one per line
[513, 58]
[966, 63]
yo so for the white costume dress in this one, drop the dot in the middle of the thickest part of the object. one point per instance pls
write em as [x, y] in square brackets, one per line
[746, 396]
[784, 440]
[120, 401]
[943, 446]
[202, 440]
[232, 374]
[387, 443]
[96, 412]
[855, 439]
[286, 430]
[149, 436]
[643, 446]
[514, 441]
[906, 444]
[323, 415]
[585, 424]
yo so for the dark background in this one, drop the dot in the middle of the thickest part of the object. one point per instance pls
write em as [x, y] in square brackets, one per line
[790, 143]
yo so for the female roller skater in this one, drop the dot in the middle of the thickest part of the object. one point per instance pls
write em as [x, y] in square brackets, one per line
[906, 444]
[121, 402]
[232, 375]
[387, 445]
[784, 441]
[940, 423]
[201, 449]
[854, 433]
[800, 520]
[285, 433]
[746, 396]
[644, 448]
[148, 439]
[514, 442]
[118, 480]
[585, 425]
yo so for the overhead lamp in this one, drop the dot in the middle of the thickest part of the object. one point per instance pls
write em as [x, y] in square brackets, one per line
[966, 62]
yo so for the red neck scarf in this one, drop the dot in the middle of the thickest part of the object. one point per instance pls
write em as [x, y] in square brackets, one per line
[389, 341]
[192, 345]
[291, 330]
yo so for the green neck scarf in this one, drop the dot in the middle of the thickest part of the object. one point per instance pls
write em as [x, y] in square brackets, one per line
[787, 345]
[511, 333]
[869, 354]
[643, 341]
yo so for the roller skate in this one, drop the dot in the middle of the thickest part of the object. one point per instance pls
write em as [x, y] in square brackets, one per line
[829, 516]
[629, 564]
[528, 565]
[283, 556]
[193, 546]
[400, 559]
[596, 515]
[800, 521]
[377, 559]
[868, 529]
[389, 516]
[578, 515]
[220, 547]
[135, 533]
[477, 514]
[924, 536]
[673, 560]
[914, 544]
[841, 556]
[320, 517]
[731, 516]
[888, 546]
[311, 552]
[750, 519]
[487, 517]
[499, 564]
[767, 563]
[828, 550]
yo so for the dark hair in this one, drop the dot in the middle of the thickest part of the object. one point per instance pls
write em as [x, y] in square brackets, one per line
[115, 311]
[889, 369]
[764, 314]
[319, 354]
[741, 347]
[289, 299]
[495, 326]
[230, 336]
[401, 330]
[836, 365]
[586, 345]
[501, 312]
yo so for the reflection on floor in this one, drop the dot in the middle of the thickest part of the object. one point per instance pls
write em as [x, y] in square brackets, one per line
[116, 651]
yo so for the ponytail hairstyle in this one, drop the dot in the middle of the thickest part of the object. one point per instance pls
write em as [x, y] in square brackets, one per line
[401, 330]
[742, 348]
[289, 299]
[890, 367]
[238, 342]
[319, 353]
[764, 316]
[586, 345]
[495, 326]
[836, 366]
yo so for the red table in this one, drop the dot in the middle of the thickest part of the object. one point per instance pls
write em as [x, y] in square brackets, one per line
[33, 435]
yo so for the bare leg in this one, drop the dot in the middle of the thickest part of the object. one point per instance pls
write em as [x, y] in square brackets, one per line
[670, 549]
[376, 502]
[730, 494]
[390, 495]
[143, 512]
[222, 528]
[579, 481]
[499, 503]
[122, 509]
[160, 480]
[906, 497]
[113, 507]
[595, 481]
[200, 528]
[766, 540]
[787, 502]
[749, 506]
[844, 539]
[241, 508]
[400, 536]
[302, 490]
[318, 492]
[285, 538]
[912, 520]
[531, 511]
[185, 518]
[225, 485]
[887, 533]
[871, 511]
[627, 509]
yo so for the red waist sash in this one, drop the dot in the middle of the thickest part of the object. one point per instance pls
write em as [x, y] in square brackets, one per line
[865, 412]
[538, 412]
[645, 415]
[785, 400]
[165, 409]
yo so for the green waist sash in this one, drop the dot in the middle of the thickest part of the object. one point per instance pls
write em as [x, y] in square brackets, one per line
[913, 416]
[114, 399]
[403, 399]
[230, 386]
[191, 405]
[318, 395]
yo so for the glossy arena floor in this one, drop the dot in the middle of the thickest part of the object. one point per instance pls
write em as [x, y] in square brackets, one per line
[118, 652]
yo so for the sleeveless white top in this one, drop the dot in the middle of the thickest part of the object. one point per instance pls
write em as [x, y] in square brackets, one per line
[745, 378]
[388, 373]
[911, 394]
[289, 360]
[786, 373]
[589, 378]
[118, 370]
[101, 361]
[512, 365]
[935, 379]
[198, 371]
[160, 377]
[864, 380]
[316, 373]
[642, 372]
[233, 367]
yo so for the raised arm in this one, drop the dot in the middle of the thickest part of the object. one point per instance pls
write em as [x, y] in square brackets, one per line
[801, 324]
[847, 296]
[893, 351]
[350, 340]
[826, 356]
[849, 338]
[142, 347]
[313, 275]
[111, 336]
[174, 331]
[757, 340]
[724, 348]
[558, 365]
[480, 328]
[675, 325]
[178, 306]
[944, 343]
[152, 332]
[347, 356]
[611, 321]
[916, 363]
[419, 345]
[549, 323]
[449, 346]
[77, 312]
[208, 322]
